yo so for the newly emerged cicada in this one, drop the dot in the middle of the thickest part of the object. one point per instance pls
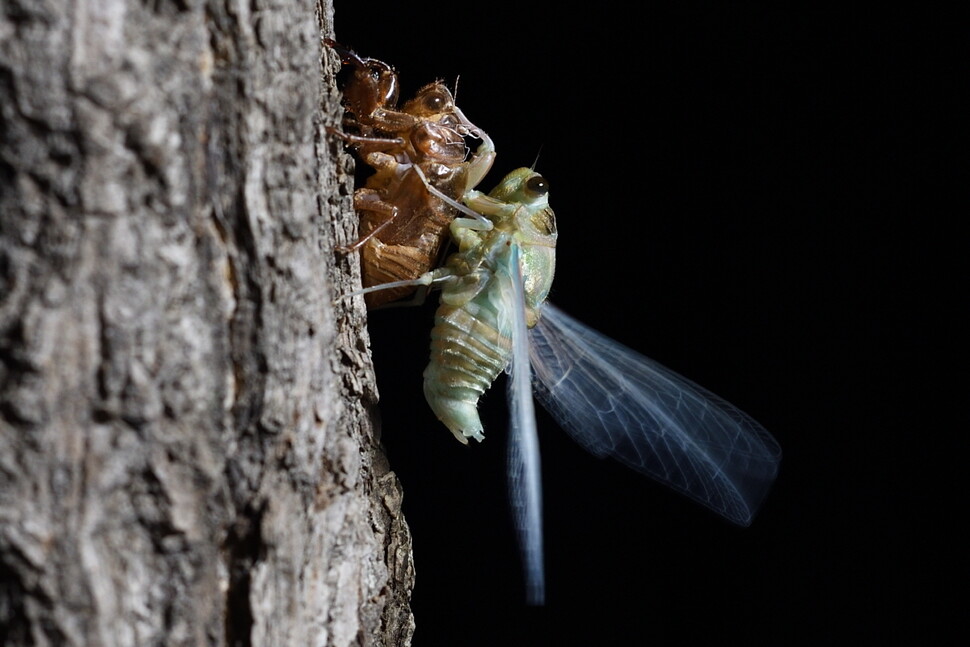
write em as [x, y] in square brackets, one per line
[404, 227]
[612, 400]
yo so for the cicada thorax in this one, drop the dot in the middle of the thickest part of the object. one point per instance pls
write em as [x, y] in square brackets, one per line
[403, 227]
[471, 342]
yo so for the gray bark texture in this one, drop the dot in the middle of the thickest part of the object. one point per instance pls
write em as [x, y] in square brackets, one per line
[187, 452]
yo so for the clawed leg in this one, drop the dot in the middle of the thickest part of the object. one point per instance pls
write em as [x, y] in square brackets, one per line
[360, 242]
[481, 162]
[367, 143]
[370, 200]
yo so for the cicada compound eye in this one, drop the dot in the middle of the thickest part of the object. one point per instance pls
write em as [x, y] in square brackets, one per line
[537, 185]
[437, 102]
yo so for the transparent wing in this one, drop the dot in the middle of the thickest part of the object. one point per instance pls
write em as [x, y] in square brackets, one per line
[618, 403]
[524, 469]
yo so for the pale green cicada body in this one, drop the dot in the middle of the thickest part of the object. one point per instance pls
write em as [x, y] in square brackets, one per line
[471, 342]
[492, 291]
[610, 399]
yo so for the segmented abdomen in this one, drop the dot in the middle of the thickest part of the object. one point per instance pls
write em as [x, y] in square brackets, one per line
[468, 351]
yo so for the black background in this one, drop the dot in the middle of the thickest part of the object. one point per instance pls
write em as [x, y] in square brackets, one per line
[739, 195]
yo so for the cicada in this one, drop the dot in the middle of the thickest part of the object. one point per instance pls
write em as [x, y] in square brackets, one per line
[612, 401]
[403, 227]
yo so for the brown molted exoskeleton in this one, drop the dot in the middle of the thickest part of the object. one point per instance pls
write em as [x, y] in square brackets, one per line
[403, 227]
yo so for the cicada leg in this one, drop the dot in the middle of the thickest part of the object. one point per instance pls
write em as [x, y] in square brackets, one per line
[477, 221]
[370, 200]
[428, 278]
[366, 143]
[420, 296]
[481, 162]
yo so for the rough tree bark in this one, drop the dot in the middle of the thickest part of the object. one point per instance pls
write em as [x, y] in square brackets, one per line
[186, 450]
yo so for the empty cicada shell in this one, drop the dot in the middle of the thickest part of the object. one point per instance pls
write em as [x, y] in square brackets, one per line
[403, 226]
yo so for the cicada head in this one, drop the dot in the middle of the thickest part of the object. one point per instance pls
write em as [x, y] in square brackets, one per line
[535, 220]
[373, 84]
[523, 186]
[432, 102]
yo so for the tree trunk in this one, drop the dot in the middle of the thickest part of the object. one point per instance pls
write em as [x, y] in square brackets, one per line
[187, 455]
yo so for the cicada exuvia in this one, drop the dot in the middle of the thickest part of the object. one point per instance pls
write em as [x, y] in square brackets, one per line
[403, 226]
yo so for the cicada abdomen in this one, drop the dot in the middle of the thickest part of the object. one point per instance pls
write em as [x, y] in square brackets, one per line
[403, 227]
[472, 337]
